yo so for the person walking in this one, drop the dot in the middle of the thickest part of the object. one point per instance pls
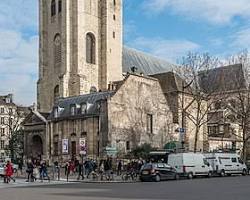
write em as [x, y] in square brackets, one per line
[9, 172]
[119, 168]
[29, 170]
[44, 171]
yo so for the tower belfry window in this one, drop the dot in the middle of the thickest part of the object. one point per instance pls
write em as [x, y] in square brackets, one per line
[59, 6]
[57, 49]
[90, 48]
[53, 8]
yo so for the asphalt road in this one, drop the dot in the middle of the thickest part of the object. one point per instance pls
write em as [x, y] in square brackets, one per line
[228, 188]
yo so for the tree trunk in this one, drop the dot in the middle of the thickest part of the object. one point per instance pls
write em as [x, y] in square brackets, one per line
[197, 129]
[244, 154]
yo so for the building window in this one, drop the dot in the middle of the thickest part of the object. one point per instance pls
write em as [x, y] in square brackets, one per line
[53, 8]
[113, 34]
[73, 110]
[2, 144]
[57, 49]
[56, 93]
[2, 110]
[114, 2]
[10, 111]
[59, 6]
[56, 148]
[83, 108]
[90, 48]
[2, 120]
[150, 123]
[114, 18]
[2, 131]
[128, 146]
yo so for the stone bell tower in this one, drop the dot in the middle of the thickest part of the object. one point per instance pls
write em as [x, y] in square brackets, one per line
[80, 48]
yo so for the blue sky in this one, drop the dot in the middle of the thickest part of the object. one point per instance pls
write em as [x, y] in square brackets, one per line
[164, 28]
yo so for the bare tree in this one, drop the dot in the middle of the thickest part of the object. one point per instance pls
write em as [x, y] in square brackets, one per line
[241, 96]
[14, 135]
[197, 95]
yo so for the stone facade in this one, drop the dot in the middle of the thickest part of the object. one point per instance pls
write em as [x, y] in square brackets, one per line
[139, 113]
[133, 113]
[63, 66]
[179, 99]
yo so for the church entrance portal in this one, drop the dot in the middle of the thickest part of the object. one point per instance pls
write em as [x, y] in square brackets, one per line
[37, 147]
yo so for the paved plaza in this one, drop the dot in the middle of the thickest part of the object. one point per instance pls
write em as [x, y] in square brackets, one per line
[227, 188]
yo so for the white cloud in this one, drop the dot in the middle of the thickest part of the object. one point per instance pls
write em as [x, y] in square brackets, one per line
[241, 39]
[19, 49]
[167, 49]
[213, 11]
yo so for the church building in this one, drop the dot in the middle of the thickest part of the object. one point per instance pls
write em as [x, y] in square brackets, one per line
[94, 96]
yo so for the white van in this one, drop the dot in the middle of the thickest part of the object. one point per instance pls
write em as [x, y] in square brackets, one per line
[226, 163]
[190, 164]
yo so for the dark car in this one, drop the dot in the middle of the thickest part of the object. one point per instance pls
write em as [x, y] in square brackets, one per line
[157, 172]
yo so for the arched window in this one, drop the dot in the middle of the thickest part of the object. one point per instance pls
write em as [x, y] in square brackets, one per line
[57, 49]
[59, 6]
[90, 48]
[53, 8]
[56, 93]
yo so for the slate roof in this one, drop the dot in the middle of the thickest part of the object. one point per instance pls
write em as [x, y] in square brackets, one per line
[145, 63]
[227, 78]
[170, 82]
[91, 101]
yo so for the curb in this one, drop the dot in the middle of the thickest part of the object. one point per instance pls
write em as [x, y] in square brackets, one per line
[100, 182]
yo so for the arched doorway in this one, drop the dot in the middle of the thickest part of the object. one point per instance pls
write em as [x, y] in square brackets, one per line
[37, 147]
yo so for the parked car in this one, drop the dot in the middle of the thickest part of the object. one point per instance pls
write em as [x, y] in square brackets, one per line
[2, 169]
[226, 163]
[157, 172]
[190, 164]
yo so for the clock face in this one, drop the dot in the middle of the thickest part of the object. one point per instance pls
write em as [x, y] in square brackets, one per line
[57, 40]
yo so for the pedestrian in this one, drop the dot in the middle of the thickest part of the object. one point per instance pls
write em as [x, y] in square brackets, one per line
[101, 169]
[29, 171]
[20, 167]
[119, 168]
[9, 170]
[44, 171]
[36, 174]
[108, 168]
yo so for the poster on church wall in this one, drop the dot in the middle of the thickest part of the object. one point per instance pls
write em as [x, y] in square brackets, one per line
[83, 146]
[65, 146]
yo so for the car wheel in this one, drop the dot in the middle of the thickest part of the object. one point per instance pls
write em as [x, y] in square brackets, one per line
[157, 178]
[222, 173]
[141, 179]
[190, 175]
[244, 172]
[177, 177]
[209, 175]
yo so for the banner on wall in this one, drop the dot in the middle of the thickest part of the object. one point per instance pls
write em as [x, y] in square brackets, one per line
[65, 146]
[83, 146]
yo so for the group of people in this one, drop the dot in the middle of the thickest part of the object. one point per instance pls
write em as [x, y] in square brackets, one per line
[37, 170]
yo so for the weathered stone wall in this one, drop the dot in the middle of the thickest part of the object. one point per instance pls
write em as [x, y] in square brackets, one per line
[128, 109]
[73, 130]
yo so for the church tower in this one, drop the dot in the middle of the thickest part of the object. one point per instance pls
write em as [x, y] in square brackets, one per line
[80, 48]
